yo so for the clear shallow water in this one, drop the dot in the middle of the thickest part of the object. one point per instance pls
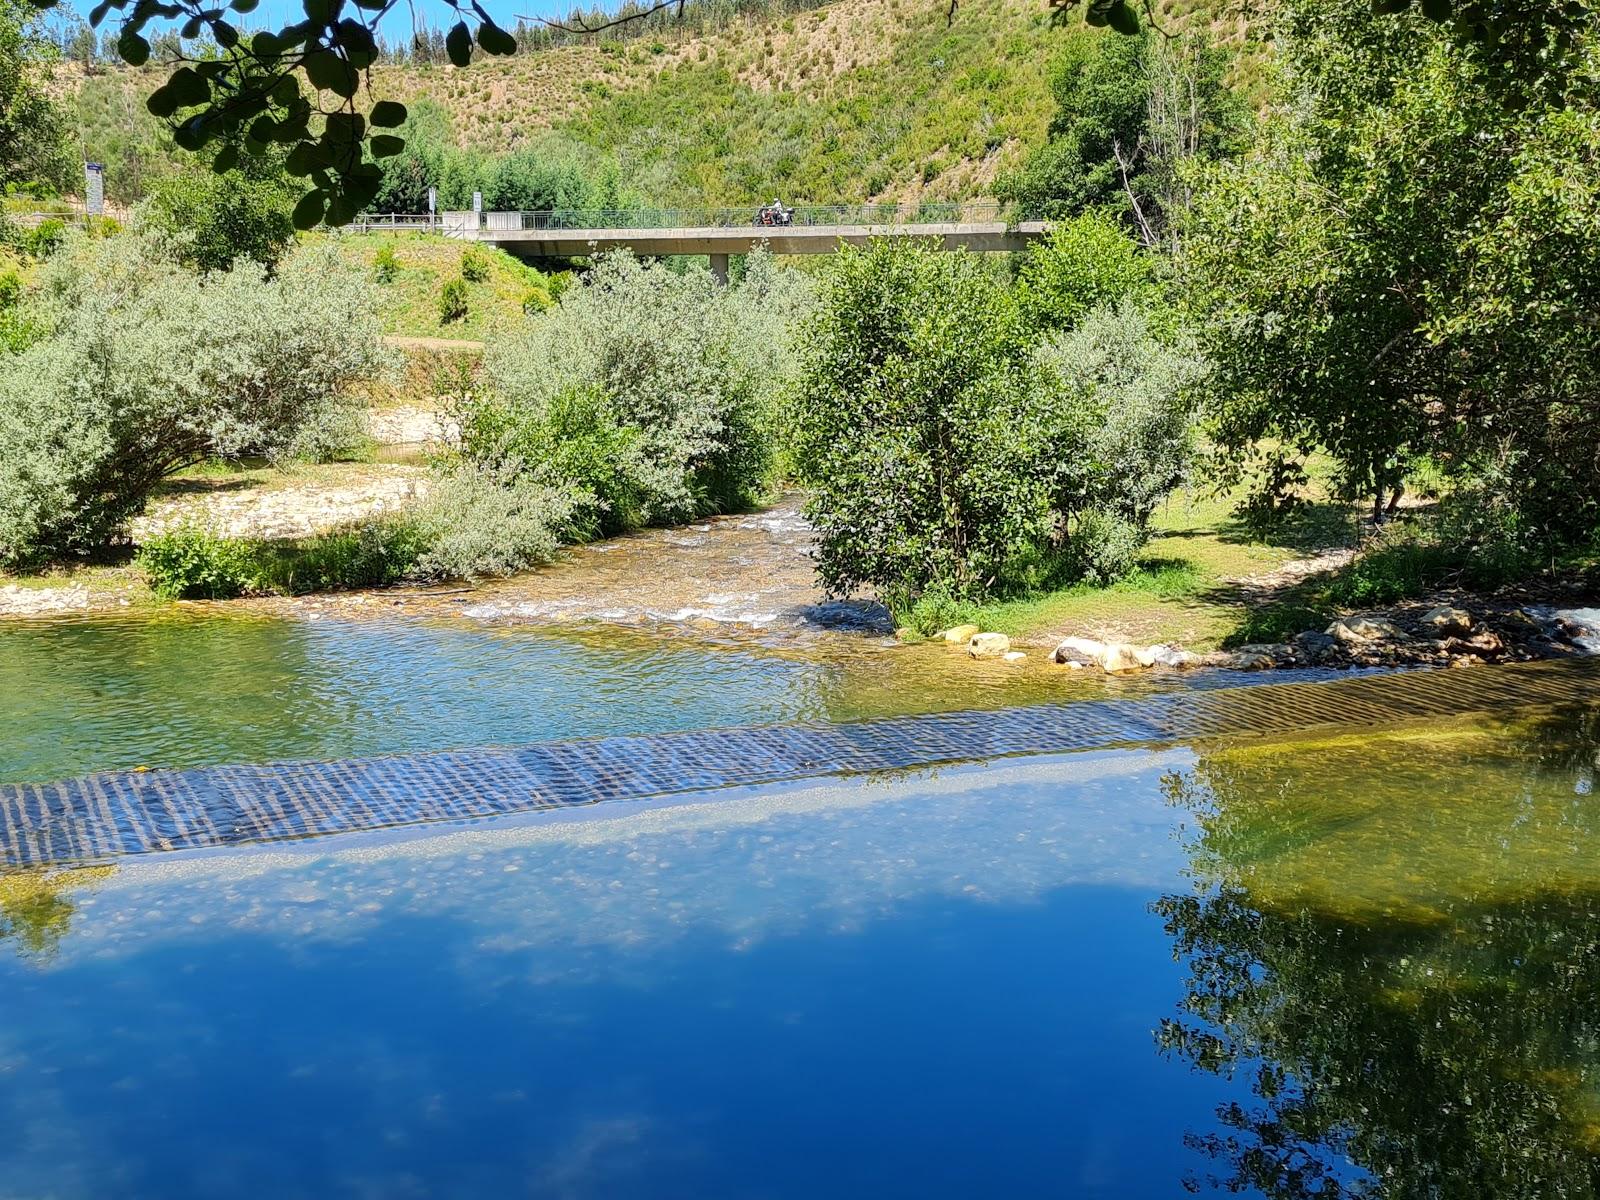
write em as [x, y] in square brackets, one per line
[1274, 967]
[180, 689]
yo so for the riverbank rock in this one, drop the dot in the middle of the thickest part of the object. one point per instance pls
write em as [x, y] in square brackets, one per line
[1167, 655]
[960, 633]
[1118, 657]
[1486, 645]
[1076, 651]
[1360, 630]
[17, 601]
[1447, 621]
[988, 645]
[1013, 656]
[1262, 657]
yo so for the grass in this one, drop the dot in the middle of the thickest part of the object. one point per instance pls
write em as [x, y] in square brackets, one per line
[1187, 589]
[424, 263]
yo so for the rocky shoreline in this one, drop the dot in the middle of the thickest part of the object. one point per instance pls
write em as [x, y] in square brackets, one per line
[1443, 632]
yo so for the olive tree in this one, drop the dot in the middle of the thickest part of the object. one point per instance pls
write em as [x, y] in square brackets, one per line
[147, 370]
[653, 392]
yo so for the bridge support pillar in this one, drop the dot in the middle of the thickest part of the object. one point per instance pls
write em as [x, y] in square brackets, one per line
[719, 268]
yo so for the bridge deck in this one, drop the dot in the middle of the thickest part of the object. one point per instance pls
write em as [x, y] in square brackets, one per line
[721, 240]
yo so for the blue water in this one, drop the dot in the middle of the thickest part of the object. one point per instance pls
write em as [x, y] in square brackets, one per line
[182, 690]
[936, 986]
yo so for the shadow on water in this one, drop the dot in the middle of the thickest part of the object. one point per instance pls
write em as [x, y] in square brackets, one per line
[1407, 974]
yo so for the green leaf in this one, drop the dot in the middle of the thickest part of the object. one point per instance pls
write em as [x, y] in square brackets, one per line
[187, 88]
[386, 145]
[303, 159]
[342, 210]
[192, 134]
[330, 73]
[133, 49]
[458, 44]
[1123, 19]
[243, 6]
[345, 129]
[495, 40]
[321, 12]
[387, 114]
[227, 36]
[191, 28]
[1437, 10]
[161, 103]
[99, 11]
[1387, 8]
[226, 160]
[266, 45]
[310, 210]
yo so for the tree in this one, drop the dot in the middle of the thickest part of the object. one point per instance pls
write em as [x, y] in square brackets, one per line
[82, 45]
[242, 214]
[32, 128]
[945, 452]
[1406, 266]
[248, 94]
[1130, 111]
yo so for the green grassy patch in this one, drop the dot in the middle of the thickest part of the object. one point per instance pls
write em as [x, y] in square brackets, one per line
[1190, 586]
[496, 297]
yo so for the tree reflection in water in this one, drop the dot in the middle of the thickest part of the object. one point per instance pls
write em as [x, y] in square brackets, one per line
[1397, 945]
[36, 907]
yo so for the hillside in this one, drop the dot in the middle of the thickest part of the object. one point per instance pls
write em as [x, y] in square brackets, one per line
[855, 100]
[864, 98]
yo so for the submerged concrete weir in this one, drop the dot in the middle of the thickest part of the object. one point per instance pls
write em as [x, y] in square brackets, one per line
[104, 816]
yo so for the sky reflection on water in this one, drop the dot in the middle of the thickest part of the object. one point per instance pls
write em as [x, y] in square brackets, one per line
[915, 987]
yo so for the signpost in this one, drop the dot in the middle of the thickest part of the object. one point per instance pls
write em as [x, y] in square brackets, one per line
[94, 189]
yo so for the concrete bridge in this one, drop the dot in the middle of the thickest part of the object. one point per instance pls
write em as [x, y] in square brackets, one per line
[719, 233]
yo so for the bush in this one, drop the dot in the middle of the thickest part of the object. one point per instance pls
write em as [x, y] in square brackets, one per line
[45, 238]
[474, 264]
[146, 370]
[536, 300]
[191, 563]
[478, 520]
[944, 453]
[19, 328]
[453, 301]
[385, 266]
[218, 220]
[1132, 396]
[652, 393]
[1087, 262]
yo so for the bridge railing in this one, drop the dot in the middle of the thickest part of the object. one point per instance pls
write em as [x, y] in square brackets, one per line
[925, 212]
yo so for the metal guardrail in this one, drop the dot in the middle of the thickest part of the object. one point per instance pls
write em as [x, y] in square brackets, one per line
[76, 218]
[739, 217]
